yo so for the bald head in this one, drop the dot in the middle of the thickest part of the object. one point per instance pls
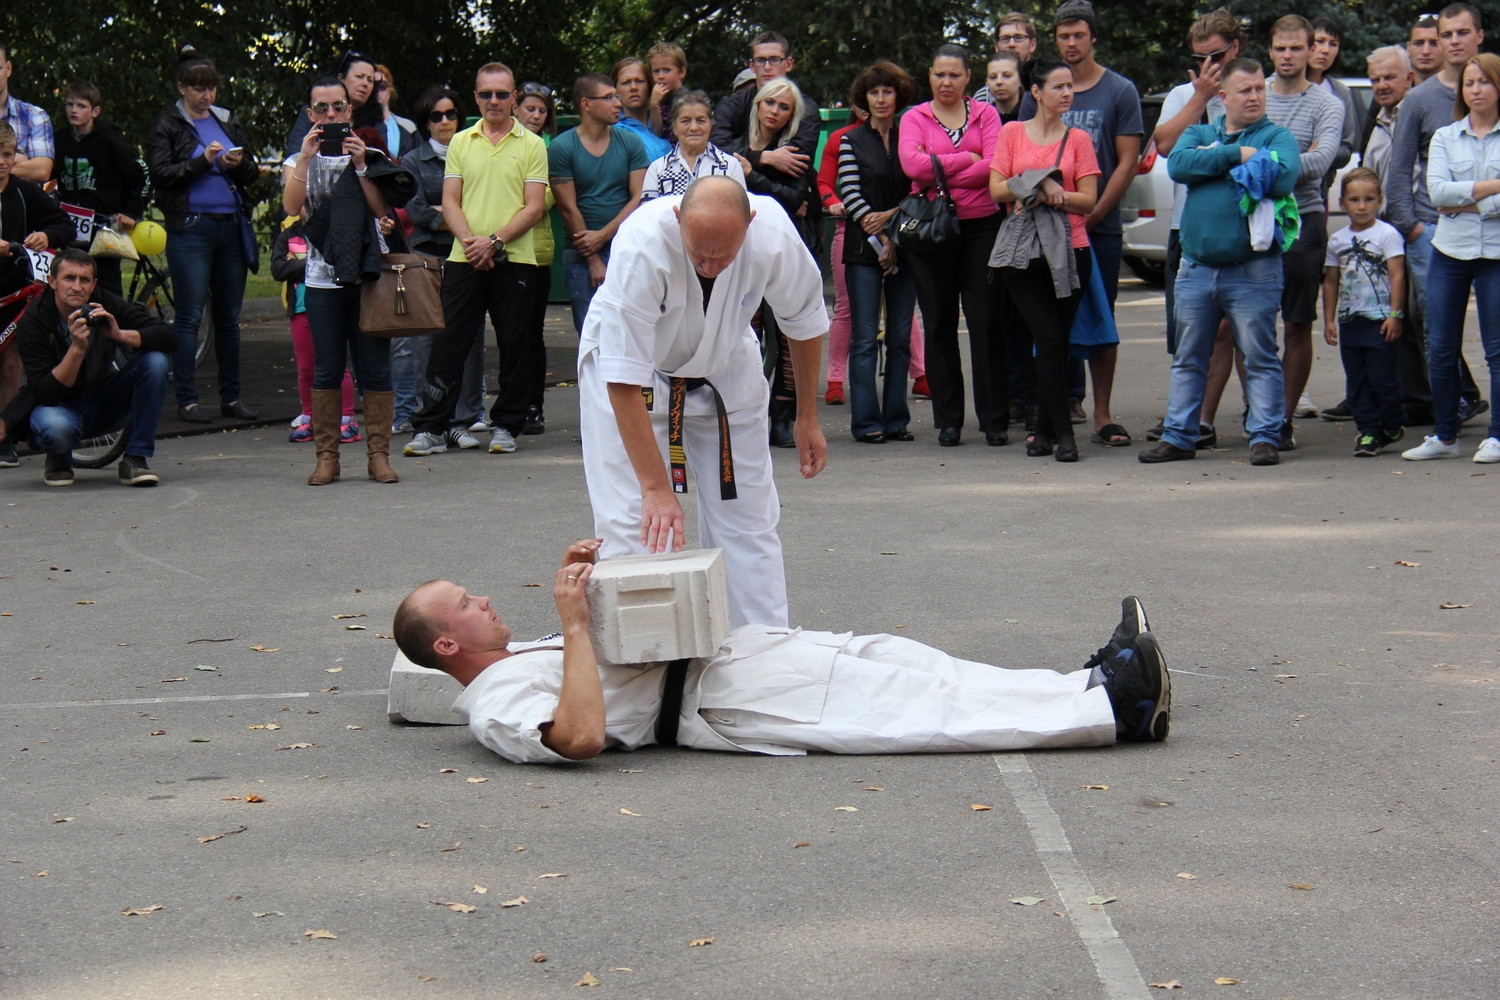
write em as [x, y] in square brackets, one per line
[442, 626]
[714, 216]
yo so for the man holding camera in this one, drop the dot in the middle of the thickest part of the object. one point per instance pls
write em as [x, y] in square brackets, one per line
[92, 359]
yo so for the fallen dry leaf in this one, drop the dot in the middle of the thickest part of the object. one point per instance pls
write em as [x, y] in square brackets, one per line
[700, 942]
[172, 680]
[554, 875]
[143, 911]
[352, 728]
[157, 732]
[1095, 788]
[587, 980]
[334, 670]
[268, 913]
[1186, 875]
[455, 907]
[254, 798]
[339, 618]
[846, 809]
[450, 850]
[424, 826]
[447, 770]
[1027, 900]
[627, 812]
[874, 788]
[63, 819]
[1298, 885]
[266, 649]
[226, 833]
[481, 889]
[356, 628]
[518, 901]
[427, 979]
[1453, 607]
[320, 935]
[1170, 984]
[1226, 981]
[295, 746]
[802, 843]
[539, 957]
[620, 968]
[1101, 900]
[83, 602]
[520, 847]
[478, 781]
[979, 807]
[42, 874]
[1408, 565]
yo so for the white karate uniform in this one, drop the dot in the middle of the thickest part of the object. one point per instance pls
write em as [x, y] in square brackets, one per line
[646, 322]
[787, 691]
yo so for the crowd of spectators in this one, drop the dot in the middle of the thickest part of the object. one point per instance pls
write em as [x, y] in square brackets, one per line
[1036, 162]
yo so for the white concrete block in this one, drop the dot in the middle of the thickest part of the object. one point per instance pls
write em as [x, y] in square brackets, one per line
[649, 608]
[422, 695]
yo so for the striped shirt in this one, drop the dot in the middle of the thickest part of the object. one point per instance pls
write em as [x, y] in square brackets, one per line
[1314, 115]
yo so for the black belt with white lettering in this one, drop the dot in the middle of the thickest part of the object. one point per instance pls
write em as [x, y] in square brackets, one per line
[680, 387]
[671, 703]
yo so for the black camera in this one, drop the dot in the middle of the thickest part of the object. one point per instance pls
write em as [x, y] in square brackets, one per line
[94, 315]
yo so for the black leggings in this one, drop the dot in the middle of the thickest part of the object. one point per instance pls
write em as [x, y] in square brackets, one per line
[1050, 320]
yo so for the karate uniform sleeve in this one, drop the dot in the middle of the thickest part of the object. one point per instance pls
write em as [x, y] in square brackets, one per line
[629, 303]
[794, 284]
[506, 714]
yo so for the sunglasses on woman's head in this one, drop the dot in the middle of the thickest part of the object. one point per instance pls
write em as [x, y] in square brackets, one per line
[536, 90]
[438, 116]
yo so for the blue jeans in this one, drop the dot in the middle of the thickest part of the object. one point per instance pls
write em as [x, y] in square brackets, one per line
[207, 259]
[1448, 283]
[137, 389]
[580, 288]
[884, 411]
[333, 314]
[1248, 295]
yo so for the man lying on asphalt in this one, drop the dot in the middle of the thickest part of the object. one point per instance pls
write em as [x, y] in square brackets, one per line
[770, 690]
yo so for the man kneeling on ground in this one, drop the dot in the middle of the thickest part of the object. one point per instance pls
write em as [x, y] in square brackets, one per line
[91, 359]
[769, 690]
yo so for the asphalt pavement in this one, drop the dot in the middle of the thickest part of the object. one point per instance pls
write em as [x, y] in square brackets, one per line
[204, 797]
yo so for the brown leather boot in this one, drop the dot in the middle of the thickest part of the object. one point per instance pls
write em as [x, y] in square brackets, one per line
[327, 415]
[380, 410]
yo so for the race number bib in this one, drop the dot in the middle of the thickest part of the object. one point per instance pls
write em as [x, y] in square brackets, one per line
[41, 263]
[83, 222]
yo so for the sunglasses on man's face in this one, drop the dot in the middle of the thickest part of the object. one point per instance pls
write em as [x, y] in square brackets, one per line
[438, 116]
[492, 95]
[322, 107]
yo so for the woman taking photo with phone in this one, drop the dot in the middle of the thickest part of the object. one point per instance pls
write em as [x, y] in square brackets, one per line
[334, 169]
[195, 152]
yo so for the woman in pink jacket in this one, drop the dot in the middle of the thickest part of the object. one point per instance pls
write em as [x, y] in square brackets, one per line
[961, 134]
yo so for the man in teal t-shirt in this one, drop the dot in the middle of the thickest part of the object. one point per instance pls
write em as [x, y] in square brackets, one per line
[596, 173]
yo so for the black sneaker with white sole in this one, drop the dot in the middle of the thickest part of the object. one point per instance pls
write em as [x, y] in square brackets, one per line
[57, 470]
[1140, 689]
[8, 457]
[135, 472]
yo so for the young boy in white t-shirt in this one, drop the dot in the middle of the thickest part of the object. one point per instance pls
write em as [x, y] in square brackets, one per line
[1365, 272]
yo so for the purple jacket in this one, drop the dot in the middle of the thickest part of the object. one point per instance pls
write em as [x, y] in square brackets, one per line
[968, 178]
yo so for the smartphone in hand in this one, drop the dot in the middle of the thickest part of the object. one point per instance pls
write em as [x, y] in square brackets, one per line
[333, 136]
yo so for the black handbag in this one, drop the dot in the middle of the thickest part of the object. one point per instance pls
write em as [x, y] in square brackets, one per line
[924, 225]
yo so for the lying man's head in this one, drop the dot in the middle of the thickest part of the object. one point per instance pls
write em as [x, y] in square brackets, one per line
[442, 626]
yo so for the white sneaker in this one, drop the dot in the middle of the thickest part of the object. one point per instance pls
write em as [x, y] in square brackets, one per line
[501, 442]
[461, 439]
[479, 426]
[1305, 407]
[425, 443]
[300, 419]
[1431, 447]
[1489, 451]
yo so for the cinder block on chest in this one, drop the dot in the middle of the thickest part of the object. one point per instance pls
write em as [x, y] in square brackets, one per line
[649, 608]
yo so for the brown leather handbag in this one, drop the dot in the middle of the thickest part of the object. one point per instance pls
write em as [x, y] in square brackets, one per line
[406, 300]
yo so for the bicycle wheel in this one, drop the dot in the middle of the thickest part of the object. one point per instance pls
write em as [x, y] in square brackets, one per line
[97, 452]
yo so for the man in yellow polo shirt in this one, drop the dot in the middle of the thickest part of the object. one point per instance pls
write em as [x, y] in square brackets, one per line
[493, 186]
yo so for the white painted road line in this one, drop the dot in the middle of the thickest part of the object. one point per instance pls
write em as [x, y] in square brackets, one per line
[1112, 959]
[186, 698]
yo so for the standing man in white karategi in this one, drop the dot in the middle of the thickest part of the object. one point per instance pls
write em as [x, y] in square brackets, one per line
[669, 374]
[770, 690]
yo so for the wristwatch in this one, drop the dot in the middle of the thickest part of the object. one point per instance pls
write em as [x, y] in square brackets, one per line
[497, 245]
